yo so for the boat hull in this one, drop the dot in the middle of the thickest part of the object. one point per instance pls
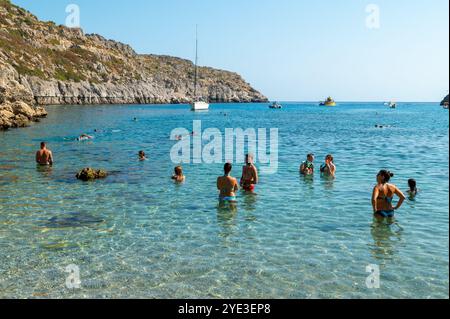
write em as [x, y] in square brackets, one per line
[199, 106]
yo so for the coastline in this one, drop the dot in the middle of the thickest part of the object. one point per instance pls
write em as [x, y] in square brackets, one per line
[42, 63]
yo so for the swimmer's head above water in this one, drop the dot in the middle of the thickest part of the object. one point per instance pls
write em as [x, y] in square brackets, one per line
[178, 176]
[249, 159]
[227, 168]
[412, 186]
[142, 156]
[178, 171]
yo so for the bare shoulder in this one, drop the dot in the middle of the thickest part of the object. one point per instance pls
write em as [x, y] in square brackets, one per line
[392, 188]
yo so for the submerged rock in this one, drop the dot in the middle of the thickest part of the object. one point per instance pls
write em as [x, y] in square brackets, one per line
[89, 174]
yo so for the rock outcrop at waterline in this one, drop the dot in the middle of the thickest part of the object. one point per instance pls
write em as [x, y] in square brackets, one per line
[90, 174]
[42, 63]
[445, 100]
[14, 111]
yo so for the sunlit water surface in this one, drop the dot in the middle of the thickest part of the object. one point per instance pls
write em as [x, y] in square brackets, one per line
[137, 234]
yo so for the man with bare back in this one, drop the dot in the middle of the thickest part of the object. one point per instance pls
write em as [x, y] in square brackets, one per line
[44, 156]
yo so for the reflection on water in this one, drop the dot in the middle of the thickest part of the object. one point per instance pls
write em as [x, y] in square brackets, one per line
[386, 238]
[248, 201]
[227, 218]
[327, 181]
[308, 181]
[45, 170]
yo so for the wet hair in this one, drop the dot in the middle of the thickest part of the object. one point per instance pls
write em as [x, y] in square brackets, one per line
[310, 155]
[227, 168]
[178, 171]
[386, 175]
[247, 157]
[330, 157]
[142, 153]
[43, 144]
[412, 185]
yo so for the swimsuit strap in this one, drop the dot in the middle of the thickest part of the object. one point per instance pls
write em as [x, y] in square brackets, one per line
[384, 196]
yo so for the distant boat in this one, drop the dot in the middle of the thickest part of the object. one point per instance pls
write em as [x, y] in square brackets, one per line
[198, 104]
[275, 105]
[392, 105]
[328, 102]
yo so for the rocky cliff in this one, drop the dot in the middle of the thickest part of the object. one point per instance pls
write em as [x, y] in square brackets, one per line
[445, 100]
[42, 63]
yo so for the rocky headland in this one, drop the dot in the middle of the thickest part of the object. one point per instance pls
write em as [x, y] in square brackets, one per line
[42, 63]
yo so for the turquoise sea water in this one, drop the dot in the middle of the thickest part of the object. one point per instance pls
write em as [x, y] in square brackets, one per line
[138, 235]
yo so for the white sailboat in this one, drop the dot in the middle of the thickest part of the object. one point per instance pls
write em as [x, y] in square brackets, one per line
[198, 104]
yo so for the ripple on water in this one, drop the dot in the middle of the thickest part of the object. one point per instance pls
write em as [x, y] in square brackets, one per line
[136, 234]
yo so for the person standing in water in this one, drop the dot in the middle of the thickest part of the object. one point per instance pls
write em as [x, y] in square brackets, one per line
[44, 156]
[328, 169]
[249, 174]
[383, 196]
[307, 167]
[227, 185]
[179, 176]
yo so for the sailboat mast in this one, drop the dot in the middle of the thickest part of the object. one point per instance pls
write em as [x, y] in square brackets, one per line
[196, 62]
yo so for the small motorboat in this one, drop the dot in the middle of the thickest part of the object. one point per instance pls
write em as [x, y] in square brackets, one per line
[329, 102]
[275, 105]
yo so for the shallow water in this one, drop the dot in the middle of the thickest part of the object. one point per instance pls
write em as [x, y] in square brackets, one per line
[136, 234]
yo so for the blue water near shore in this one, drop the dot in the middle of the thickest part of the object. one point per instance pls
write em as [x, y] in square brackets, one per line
[136, 234]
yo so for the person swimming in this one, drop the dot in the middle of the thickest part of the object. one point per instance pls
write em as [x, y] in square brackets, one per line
[413, 190]
[383, 196]
[179, 176]
[328, 169]
[227, 185]
[307, 167]
[84, 137]
[44, 157]
[182, 137]
[142, 156]
[249, 175]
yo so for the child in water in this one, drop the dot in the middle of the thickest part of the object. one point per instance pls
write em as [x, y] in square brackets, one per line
[179, 176]
[413, 191]
[142, 156]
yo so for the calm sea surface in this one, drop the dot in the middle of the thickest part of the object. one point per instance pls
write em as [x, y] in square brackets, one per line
[137, 234]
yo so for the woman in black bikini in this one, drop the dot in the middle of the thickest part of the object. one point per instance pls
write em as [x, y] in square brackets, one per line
[383, 195]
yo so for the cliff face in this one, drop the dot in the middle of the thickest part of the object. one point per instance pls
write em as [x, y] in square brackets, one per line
[445, 100]
[43, 63]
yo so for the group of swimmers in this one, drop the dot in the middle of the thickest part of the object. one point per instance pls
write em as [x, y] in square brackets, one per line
[228, 186]
[326, 169]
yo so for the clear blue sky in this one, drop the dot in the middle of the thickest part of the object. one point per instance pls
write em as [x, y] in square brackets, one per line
[290, 50]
